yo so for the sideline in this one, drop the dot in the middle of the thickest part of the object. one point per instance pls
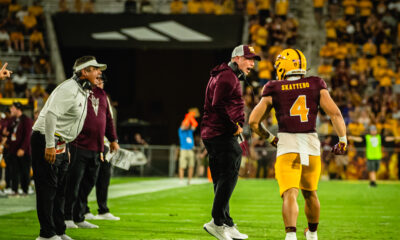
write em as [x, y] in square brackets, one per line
[23, 204]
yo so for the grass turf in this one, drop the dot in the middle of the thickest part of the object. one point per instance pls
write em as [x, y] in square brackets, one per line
[349, 210]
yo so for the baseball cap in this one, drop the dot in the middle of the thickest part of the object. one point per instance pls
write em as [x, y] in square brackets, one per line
[245, 51]
[17, 105]
[93, 62]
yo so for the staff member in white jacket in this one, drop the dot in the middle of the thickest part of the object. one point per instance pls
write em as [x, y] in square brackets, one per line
[59, 122]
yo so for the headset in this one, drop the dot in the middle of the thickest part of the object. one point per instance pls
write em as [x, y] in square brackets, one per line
[84, 83]
[239, 73]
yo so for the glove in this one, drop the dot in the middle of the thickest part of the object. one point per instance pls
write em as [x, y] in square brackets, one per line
[274, 141]
[340, 148]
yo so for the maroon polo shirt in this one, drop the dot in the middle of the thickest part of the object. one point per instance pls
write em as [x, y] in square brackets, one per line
[98, 123]
[21, 128]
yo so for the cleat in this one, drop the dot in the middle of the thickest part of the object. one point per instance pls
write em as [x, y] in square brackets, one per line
[234, 233]
[70, 224]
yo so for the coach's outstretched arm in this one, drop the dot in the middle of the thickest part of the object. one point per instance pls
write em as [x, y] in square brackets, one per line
[330, 108]
[257, 115]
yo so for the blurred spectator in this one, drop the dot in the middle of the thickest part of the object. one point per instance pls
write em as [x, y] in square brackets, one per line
[251, 8]
[19, 148]
[194, 7]
[281, 8]
[139, 140]
[20, 83]
[8, 89]
[209, 6]
[88, 7]
[42, 65]
[186, 154]
[22, 13]
[26, 64]
[36, 41]
[176, 7]
[63, 6]
[36, 9]
[14, 7]
[318, 11]
[29, 22]
[78, 6]
[5, 40]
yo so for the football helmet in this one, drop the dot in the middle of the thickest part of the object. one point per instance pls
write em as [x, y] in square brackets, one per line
[290, 62]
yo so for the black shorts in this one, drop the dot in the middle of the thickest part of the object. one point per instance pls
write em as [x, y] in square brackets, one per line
[373, 165]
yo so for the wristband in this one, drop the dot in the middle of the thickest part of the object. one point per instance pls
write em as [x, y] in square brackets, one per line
[343, 139]
[271, 137]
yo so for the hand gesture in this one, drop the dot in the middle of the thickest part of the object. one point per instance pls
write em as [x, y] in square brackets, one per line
[4, 72]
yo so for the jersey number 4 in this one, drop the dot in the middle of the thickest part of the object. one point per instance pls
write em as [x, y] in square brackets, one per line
[299, 108]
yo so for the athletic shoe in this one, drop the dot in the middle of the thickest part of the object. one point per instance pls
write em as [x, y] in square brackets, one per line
[89, 216]
[55, 237]
[310, 235]
[107, 216]
[219, 232]
[291, 236]
[65, 237]
[70, 224]
[85, 224]
[234, 233]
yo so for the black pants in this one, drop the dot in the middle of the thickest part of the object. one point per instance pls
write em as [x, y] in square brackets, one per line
[102, 183]
[81, 179]
[8, 172]
[50, 188]
[225, 156]
[21, 167]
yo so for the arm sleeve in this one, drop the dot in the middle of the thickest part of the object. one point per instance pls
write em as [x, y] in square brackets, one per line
[27, 133]
[223, 89]
[50, 121]
[110, 129]
[62, 99]
[322, 84]
[268, 89]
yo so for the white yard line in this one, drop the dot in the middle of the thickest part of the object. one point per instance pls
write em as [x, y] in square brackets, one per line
[15, 205]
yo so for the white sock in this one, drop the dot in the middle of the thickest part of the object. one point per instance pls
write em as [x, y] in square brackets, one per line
[312, 233]
[291, 236]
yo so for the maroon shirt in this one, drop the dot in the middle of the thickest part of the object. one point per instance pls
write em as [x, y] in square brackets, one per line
[96, 124]
[20, 134]
[223, 105]
[288, 100]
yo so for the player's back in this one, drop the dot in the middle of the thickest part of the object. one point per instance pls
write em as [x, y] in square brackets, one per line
[296, 103]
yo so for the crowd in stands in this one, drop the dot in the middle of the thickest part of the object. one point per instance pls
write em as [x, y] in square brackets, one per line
[21, 36]
[360, 62]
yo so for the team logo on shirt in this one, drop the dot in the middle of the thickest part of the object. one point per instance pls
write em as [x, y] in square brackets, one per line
[95, 104]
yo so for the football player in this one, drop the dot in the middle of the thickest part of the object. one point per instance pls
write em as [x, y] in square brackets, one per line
[296, 100]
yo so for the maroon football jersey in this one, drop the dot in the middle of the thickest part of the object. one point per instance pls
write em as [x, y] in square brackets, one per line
[296, 103]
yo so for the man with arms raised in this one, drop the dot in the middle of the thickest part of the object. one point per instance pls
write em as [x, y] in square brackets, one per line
[296, 100]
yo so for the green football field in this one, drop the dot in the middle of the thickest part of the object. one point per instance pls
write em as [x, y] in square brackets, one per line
[349, 210]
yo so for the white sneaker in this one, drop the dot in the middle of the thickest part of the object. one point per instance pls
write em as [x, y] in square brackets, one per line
[219, 232]
[55, 237]
[85, 224]
[234, 233]
[89, 216]
[65, 237]
[107, 216]
[311, 235]
[70, 224]
[8, 191]
[291, 236]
